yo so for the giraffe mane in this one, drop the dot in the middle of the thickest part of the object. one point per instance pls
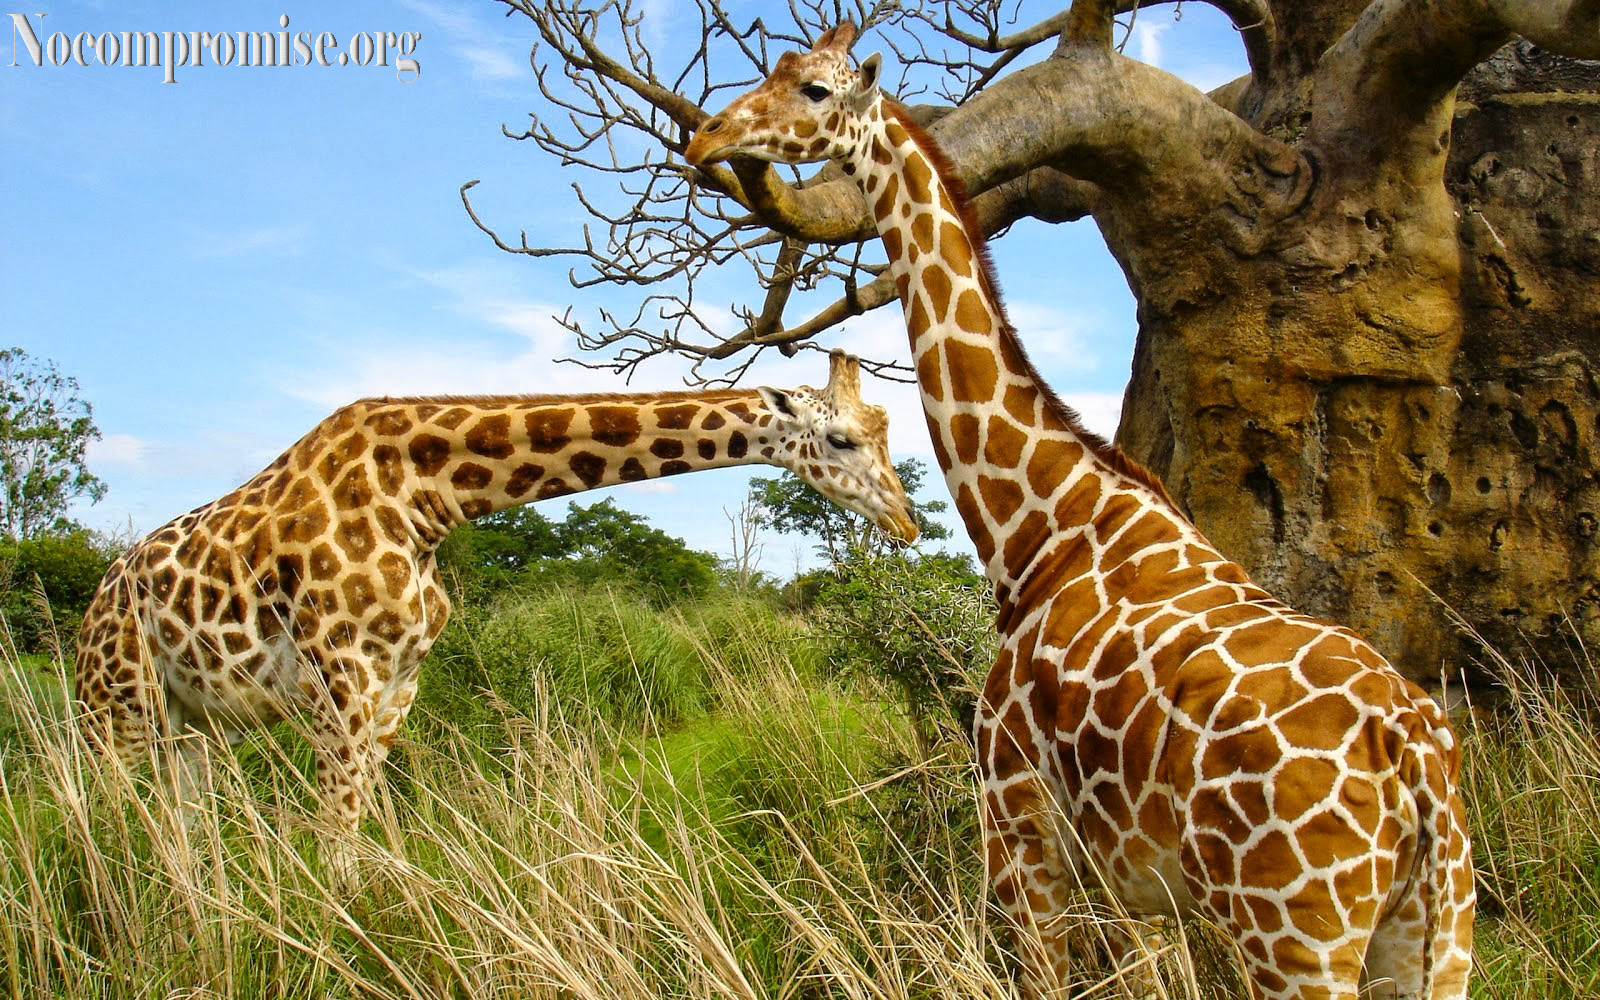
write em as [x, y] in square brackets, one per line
[1107, 452]
[498, 399]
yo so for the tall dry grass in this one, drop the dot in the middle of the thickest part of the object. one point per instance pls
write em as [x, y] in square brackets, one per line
[788, 834]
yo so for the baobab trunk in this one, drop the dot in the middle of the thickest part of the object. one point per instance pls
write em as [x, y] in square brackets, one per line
[1397, 392]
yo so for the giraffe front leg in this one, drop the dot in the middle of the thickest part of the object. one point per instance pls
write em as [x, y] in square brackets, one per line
[1023, 856]
[1032, 885]
[393, 706]
[342, 737]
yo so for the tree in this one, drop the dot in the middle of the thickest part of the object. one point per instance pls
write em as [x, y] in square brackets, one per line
[45, 430]
[514, 547]
[1365, 272]
[608, 541]
[789, 505]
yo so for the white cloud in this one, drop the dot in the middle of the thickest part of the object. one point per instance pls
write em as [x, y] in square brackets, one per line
[490, 56]
[1147, 41]
[116, 449]
[489, 64]
[281, 239]
[1054, 338]
[1099, 411]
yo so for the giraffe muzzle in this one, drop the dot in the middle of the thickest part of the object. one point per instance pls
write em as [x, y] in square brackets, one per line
[707, 146]
[901, 524]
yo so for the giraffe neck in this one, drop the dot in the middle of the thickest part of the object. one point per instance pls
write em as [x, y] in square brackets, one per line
[1006, 444]
[450, 460]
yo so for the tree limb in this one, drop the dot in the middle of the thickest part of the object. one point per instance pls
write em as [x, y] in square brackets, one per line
[1089, 23]
[1391, 77]
[1566, 27]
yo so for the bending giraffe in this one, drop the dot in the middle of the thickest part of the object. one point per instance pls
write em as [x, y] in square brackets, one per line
[1154, 722]
[312, 589]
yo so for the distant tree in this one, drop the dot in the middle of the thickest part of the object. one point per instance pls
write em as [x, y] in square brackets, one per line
[44, 431]
[789, 506]
[515, 547]
[744, 527]
[605, 541]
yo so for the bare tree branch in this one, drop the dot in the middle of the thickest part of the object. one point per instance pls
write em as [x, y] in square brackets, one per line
[620, 109]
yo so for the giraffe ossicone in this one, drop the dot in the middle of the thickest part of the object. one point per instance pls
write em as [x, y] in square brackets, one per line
[1154, 721]
[313, 590]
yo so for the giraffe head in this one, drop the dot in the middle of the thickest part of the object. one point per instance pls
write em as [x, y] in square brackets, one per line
[809, 109]
[840, 446]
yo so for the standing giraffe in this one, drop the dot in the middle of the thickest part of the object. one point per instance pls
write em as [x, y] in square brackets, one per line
[1154, 722]
[312, 589]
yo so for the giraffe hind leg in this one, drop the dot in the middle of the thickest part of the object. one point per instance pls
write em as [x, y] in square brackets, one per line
[121, 706]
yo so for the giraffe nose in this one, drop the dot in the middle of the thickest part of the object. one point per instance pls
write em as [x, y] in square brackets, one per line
[705, 145]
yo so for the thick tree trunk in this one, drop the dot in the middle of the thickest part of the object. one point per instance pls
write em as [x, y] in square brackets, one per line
[1399, 391]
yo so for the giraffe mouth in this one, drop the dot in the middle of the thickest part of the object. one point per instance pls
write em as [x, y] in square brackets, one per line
[901, 525]
[723, 136]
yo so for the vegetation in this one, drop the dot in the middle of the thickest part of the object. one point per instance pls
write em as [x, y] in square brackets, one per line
[521, 549]
[655, 785]
[788, 505]
[45, 430]
[601, 796]
[46, 582]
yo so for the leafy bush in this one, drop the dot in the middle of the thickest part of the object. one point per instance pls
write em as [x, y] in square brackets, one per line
[67, 566]
[926, 623]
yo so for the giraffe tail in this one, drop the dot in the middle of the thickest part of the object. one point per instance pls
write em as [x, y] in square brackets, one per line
[1445, 876]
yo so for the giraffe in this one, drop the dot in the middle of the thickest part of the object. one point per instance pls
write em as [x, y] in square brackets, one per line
[1155, 723]
[312, 589]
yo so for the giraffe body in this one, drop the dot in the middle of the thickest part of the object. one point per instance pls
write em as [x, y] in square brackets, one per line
[313, 590]
[1154, 723]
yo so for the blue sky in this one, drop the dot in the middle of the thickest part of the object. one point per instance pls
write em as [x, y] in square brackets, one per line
[222, 260]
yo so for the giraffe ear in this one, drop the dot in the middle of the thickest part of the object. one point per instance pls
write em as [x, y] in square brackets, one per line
[867, 80]
[779, 403]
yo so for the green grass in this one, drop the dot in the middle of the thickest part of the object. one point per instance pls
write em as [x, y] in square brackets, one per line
[599, 798]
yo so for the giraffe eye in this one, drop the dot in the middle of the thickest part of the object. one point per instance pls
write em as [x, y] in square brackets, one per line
[815, 92]
[841, 442]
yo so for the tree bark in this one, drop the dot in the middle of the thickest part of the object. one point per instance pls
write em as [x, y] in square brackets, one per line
[1392, 414]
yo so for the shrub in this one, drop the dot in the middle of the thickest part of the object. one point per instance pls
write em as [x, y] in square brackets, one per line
[67, 567]
[924, 623]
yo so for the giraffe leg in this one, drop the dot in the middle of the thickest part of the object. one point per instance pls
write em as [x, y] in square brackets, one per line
[341, 734]
[1032, 885]
[121, 705]
[394, 704]
[1023, 852]
[1136, 963]
[1416, 953]
[1394, 969]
